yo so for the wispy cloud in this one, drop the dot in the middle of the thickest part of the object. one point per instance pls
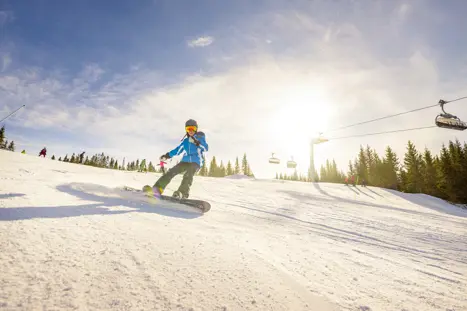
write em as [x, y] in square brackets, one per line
[6, 61]
[201, 41]
[285, 82]
[6, 16]
[5, 57]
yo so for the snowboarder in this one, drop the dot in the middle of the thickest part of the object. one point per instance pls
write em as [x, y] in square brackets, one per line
[193, 146]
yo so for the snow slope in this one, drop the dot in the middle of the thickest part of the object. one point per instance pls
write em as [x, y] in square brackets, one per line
[70, 241]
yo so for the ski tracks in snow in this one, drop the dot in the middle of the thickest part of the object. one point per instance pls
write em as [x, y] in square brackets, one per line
[360, 255]
[264, 245]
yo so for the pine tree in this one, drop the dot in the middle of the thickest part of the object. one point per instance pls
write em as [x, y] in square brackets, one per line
[402, 180]
[245, 165]
[445, 170]
[335, 177]
[53, 157]
[412, 163]
[295, 175]
[204, 169]
[213, 168]
[73, 159]
[362, 166]
[115, 166]
[429, 174]
[222, 170]
[323, 176]
[229, 169]
[237, 166]
[112, 162]
[142, 166]
[464, 164]
[351, 169]
[457, 176]
[151, 167]
[92, 161]
[250, 172]
[11, 146]
[390, 169]
[370, 157]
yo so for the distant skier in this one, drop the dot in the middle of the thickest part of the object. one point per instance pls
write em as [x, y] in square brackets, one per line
[81, 157]
[161, 164]
[43, 152]
[193, 146]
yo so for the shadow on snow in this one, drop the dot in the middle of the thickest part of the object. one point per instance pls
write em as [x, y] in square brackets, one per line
[11, 195]
[103, 199]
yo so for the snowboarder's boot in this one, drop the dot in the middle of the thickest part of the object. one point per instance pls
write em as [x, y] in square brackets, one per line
[179, 195]
[153, 191]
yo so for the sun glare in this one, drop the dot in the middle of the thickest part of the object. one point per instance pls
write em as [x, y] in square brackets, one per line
[301, 114]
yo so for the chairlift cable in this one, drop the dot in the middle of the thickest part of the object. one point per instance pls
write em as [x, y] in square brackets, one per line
[386, 132]
[378, 119]
[11, 113]
[450, 101]
[395, 115]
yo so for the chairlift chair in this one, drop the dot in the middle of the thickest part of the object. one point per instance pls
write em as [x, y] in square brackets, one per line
[274, 160]
[291, 164]
[449, 121]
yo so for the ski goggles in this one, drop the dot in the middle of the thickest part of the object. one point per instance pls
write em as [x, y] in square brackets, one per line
[190, 128]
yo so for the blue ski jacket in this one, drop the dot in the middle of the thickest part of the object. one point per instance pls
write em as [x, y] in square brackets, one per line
[192, 151]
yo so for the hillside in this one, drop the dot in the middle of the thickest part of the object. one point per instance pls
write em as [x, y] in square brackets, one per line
[70, 241]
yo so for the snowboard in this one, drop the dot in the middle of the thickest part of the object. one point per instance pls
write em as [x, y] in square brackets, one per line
[202, 205]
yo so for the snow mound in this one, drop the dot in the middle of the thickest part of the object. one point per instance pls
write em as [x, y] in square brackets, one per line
[70, 239]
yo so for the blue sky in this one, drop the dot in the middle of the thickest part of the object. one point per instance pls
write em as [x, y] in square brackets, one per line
[259, 76]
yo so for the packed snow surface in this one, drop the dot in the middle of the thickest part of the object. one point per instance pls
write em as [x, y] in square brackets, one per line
[70, 240]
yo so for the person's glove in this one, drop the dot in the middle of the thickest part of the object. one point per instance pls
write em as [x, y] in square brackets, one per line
[165, 157]
[194, 141]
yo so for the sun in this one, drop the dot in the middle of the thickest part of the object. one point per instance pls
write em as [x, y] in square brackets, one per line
[300, 114]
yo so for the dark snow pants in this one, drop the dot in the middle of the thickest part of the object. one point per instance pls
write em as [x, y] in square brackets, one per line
[189, 169]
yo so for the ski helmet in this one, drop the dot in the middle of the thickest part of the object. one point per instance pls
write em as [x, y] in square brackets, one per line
[191, 122]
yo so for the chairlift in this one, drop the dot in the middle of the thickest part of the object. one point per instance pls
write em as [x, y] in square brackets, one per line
[274, 160]
[291, 164]
[449, 121]
[320, 139]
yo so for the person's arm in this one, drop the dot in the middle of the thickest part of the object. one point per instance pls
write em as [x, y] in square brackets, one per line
[200, 141]
[176, 151]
